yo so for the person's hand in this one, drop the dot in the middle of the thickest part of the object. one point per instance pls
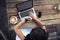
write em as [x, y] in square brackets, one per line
[28, 19]
[32, 15]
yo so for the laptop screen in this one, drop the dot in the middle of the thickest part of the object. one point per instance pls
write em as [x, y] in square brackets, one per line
[24, 5]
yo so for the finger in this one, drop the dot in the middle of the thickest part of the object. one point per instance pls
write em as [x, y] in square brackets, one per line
[29, 18]
[30, 13]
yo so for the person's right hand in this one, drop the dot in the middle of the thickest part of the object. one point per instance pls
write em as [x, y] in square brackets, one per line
[32, 15]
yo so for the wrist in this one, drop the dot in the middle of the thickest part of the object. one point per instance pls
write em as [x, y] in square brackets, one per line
[23, 21]
[26, 20]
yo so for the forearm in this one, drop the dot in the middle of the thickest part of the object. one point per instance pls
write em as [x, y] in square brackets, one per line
[18, 31]
[20, 34]
[39, 23]
[18, 26]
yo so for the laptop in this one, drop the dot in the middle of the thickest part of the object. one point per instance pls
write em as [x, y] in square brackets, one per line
[24, 14]
[24, 8]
